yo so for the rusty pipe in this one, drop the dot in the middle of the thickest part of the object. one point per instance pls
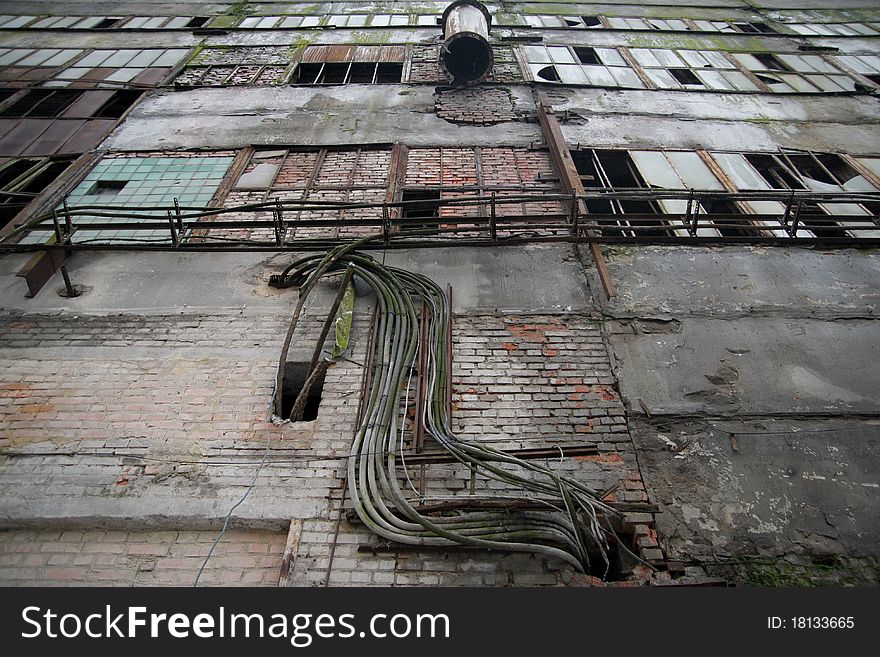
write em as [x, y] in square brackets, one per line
[466, 56]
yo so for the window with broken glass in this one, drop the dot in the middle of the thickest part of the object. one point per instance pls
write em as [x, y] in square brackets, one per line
[346, 64]
[237, 66]
[790, 73]
[808, 171]
[632, 190]
[22, 179]
[599, 67]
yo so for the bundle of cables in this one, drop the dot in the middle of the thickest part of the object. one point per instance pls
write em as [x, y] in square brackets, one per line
[576, 523]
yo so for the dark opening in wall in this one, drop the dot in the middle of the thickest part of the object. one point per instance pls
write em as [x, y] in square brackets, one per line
[615, 169]
[118, 104]
[295, 376]
[42, 103]
[107, 187]
[685, 76]
[105, 23]
[770, 61]
[873, 77]
[348, 73]
[423, 204]
[591, 21]
[22, 179]
[731, 227]
[572, 23]
[776, 175]
[755, 28]
[197, 21]
[587, 55]
[549, 73]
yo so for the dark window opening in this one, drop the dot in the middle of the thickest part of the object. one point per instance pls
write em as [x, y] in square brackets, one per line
[422, 204]
[771, 62]
[307, 73]
[105, 23]
[22, 180]
[549, 73]
[814, 218]
[197, 21]
[727, 226]
[361, 73]
[295, 377]
[354, 73]
[6, 93]
[572, 23]
[42, 103]
[811, 168]
[755, 28]
[767, 79]
[118, 104]
[388, 72]
[771, 170]
[685, 76]
[587, 55]
[333, 74]
[615, 169]
[591, 21]
[873, 77]
[107, 187]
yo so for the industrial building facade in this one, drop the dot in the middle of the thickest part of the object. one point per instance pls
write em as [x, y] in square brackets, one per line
[634, 247]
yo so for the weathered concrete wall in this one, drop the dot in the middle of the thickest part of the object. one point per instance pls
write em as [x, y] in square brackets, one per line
[751, 399]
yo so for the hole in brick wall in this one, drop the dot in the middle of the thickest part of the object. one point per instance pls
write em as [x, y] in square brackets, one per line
[295, 376]
[587, 55]
[107, 187]
[423, 205]
[685, 76]
[549, 73]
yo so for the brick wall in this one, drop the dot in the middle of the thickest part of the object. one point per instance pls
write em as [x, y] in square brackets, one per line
[146, 422]
[139, 558]
[519, 381]
[479, 105]
[425, 67]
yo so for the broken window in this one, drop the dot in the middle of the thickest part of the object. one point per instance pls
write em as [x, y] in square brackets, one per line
[236, 66]
[615, 170]
[754, 28]
[149, 182]
[685, 76]
[420, 204]
[600, 67]
[350, 65]
[788, 73]
[834, 29]
[197, 21]
[42, 103]
[21, 180]
[799, 171]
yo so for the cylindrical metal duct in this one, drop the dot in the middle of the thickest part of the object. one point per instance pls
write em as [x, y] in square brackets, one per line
[466, 55]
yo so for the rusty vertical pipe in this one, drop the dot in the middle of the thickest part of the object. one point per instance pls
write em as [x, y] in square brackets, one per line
[466, 55]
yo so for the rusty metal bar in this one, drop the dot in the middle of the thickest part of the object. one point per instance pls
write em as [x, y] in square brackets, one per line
[570, 179]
